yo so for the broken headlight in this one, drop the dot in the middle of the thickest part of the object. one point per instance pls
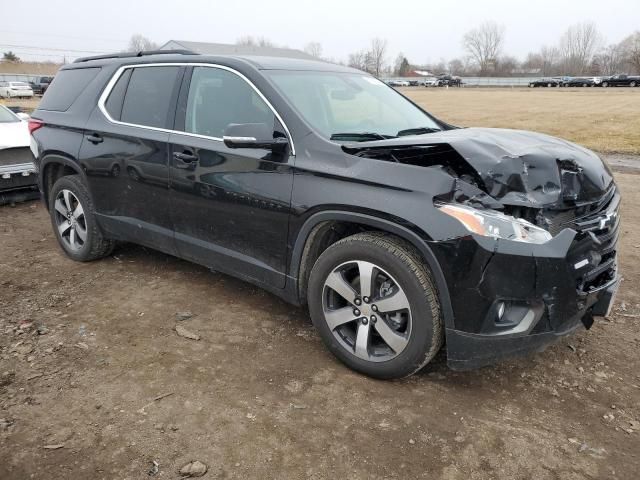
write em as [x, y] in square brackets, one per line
[490, 223]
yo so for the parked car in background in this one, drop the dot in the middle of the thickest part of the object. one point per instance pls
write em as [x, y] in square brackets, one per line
[580, 82]
[430, 82]
[399, 231]
[545, 82]
[448, 81]
[398, 83]
[621, 81]
[40, 85]
[15, 90]
[17, 171]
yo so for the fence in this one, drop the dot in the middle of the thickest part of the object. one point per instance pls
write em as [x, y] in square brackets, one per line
[21, 77]
[480, 81]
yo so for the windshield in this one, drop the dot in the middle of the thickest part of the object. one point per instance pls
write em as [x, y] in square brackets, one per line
[6, 116]
[351, 106]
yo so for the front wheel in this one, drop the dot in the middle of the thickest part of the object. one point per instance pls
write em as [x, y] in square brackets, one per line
[633, 84]
[605, 84]
[374, 302]
[74, 222]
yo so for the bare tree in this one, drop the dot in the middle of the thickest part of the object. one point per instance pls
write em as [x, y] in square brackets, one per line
[610, 60]
[248, 40]
[456, 67]
[550, 57]
[139, 43]
[314, 49]
[376, 56]
[358, 60]
[630, 48]
[578, 46]
[484, 44]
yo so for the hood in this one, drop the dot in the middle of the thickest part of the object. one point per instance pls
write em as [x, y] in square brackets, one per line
[515, 167]
[14, 134]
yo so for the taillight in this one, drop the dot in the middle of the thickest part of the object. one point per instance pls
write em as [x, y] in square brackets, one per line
[35, 125]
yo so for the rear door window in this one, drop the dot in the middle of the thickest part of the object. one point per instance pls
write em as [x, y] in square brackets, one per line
[148, 96]
[218, 98]
[66, 88]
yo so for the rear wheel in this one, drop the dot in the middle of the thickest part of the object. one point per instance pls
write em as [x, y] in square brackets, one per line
[74, 223]
[605, 84]
[633, 84]
[375, 305]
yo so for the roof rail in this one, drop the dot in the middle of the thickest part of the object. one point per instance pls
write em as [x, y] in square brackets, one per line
[135, 54]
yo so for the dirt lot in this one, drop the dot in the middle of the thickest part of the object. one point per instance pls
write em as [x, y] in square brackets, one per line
[91, 367]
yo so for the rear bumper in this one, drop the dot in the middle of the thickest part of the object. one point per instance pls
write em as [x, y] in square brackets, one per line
[20, 93]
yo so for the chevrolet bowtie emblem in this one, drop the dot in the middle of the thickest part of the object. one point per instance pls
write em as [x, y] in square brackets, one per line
[604, 221]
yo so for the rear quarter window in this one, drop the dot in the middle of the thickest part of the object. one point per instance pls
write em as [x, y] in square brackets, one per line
[66, 88]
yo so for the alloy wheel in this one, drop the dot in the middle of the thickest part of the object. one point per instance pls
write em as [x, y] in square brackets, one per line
[70, 219]
[367, 311]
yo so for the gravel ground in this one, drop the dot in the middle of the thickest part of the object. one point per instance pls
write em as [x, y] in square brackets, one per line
[96, 381]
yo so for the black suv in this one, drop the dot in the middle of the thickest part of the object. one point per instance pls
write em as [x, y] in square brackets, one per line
[328, 188]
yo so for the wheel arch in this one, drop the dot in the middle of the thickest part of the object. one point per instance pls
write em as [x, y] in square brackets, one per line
[54, 166]
[315, 236]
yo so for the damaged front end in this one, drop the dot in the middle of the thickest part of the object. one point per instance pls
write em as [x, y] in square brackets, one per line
[537, 256]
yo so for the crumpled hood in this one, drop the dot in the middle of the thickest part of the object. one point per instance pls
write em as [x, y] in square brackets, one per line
[522, 168]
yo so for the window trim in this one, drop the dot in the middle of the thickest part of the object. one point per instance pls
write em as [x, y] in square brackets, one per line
[116, 76]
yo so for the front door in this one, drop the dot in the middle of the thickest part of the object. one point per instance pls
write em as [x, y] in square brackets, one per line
[230, 207]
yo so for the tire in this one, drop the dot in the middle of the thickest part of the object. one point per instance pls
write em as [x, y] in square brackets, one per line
[633, 84]
[408, 282]
[585, 85]
[71, 194]
[605, 84]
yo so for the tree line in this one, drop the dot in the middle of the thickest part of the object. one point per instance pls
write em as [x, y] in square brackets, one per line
[581, 50]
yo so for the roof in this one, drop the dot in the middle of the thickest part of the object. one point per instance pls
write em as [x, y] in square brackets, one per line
[227, 49]
[174, 56]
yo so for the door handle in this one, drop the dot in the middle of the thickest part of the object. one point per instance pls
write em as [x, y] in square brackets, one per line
[184, 158]
[94, 138]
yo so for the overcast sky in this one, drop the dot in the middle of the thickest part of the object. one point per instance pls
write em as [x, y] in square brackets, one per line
[424, 30]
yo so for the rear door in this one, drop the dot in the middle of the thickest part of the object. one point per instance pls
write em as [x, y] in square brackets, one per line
[230, 206]
[125, 154]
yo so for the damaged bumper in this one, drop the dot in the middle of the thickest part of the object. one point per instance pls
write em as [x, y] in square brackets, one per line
[513, 298]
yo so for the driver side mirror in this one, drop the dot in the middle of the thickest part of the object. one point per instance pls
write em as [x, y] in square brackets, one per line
[253, 135]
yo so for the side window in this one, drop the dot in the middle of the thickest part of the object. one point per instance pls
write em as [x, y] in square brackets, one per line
[146, 101]
[116, 97]
[218, 98]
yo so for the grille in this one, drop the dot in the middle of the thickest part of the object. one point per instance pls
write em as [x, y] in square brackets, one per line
[594, 249]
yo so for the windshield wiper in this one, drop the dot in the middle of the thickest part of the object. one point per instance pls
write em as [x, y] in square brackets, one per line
[360, 136]
[418, 131]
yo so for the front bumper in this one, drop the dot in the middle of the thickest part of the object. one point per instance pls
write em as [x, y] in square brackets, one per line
[511, 298]
[467, 351]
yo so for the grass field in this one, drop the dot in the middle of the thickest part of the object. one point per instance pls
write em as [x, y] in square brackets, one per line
[605, 120]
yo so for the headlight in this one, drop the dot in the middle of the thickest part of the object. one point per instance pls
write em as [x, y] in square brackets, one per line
[489, 223]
